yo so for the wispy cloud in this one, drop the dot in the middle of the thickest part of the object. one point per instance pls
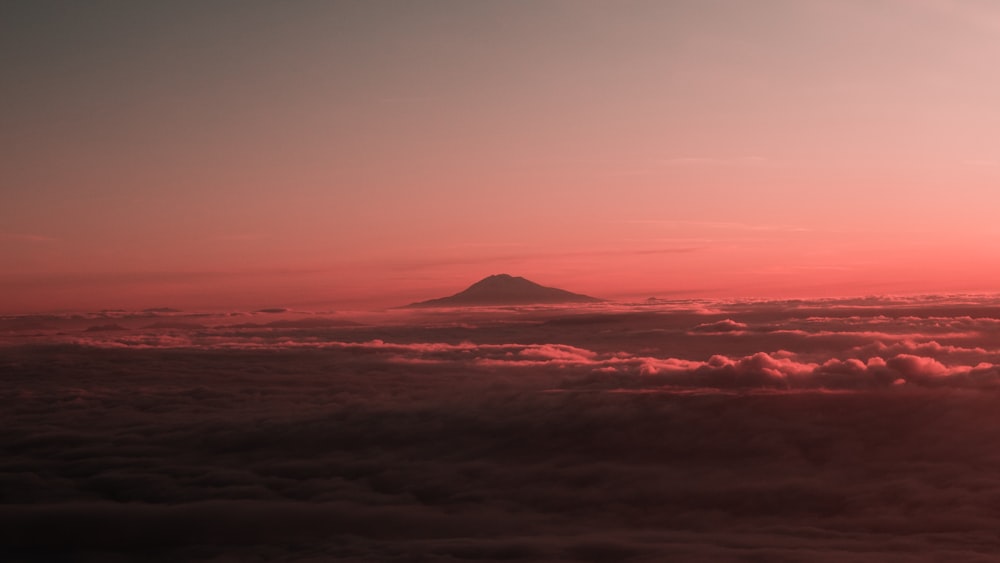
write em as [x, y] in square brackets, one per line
[720, 225]
[518, 258]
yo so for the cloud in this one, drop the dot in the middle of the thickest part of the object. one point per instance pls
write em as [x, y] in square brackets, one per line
[929, 348]
[506, 259]
[690, 430]
[293, 453]
[720, 225]
[780, 369]
[557, 352]
[720, 327]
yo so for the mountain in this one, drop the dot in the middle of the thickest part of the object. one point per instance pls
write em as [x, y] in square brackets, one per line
[504, 289]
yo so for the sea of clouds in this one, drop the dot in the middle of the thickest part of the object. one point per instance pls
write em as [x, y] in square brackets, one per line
[861, 430]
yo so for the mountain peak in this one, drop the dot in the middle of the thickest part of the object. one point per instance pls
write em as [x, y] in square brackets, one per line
[502, 280]
[505, 289]
[499, 278]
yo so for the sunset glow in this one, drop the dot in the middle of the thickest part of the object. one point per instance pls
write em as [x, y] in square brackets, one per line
[500, 280]
[375, 152]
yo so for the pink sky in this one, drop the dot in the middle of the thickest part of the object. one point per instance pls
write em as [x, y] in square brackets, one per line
[366, 154]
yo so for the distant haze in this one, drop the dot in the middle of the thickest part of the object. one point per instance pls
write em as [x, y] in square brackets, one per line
[367, 154]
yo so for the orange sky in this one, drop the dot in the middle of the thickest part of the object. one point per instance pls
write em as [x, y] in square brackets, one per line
[365, 154]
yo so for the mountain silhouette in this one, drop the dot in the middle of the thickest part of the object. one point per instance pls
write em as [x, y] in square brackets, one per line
[504, 289]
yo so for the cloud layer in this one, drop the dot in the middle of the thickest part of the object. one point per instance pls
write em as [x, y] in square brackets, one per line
[626, 434]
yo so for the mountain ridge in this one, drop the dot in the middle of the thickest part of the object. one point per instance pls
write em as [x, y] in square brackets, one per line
[505, 289]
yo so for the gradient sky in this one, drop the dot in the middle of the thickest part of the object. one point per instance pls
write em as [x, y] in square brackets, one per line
[371, 153]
